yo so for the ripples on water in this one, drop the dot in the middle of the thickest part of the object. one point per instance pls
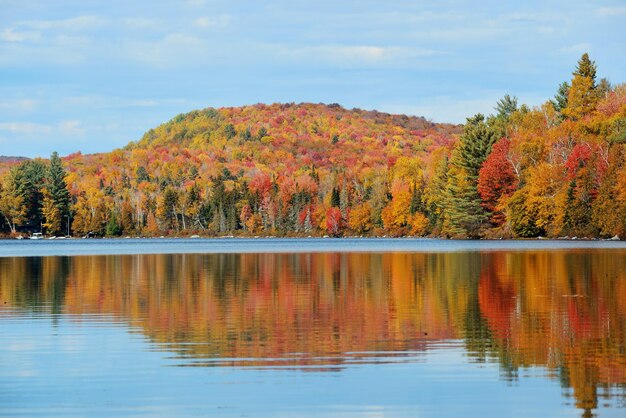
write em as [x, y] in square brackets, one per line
[394, 334]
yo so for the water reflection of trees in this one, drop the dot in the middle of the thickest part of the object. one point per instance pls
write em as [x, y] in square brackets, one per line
[557, 310]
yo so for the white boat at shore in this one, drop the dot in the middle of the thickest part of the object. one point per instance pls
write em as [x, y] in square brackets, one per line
[37, 235]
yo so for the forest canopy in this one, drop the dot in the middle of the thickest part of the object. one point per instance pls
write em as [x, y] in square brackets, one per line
[311, 169]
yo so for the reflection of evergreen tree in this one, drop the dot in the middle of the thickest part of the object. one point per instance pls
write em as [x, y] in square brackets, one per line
[478, 337]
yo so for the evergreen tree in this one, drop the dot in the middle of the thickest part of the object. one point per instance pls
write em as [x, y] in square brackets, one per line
[246, 135]
[335, 198]
[506, 106]
[582, 96]
[586, 68]
[113, 228]
[262, 132]
[58, 196]
[474, 145]
[229, 131]
[560, 98]
[417, 196]
[464, 215]
[142, 175]
[30, 178]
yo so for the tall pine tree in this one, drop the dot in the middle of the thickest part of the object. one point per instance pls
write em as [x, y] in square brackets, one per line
[582, 96]
[464, 215]
[56, 207]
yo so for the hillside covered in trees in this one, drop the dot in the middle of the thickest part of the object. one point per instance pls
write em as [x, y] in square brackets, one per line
[312, 169]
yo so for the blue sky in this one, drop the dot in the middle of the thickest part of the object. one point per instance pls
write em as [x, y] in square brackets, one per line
[93, 75]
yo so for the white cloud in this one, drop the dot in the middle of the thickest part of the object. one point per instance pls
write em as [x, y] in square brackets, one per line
[78, 23]
[356, 54]
[26, 128]
[143, 23]
[10, 35]
[611, 11]
[22, 105]
[70, 128]
[217, 22]
[64, 128]
[111, 102]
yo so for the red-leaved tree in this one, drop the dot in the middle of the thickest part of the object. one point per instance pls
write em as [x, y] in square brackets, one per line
[496, 180]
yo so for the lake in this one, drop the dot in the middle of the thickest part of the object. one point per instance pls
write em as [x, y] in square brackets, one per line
[312, 327]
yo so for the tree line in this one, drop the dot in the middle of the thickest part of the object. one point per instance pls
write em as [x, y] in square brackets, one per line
[554, 170]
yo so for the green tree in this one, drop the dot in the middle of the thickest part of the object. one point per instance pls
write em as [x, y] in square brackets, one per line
[335, 198]
[142, 174]
[464, 215]
[506, 106]
[113, 228]
[58, 195]
[30, 178]
[262, 133]
[246, 135]
[229, 131]
[560, 98]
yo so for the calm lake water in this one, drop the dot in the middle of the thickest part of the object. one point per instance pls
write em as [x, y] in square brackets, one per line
[312, 328]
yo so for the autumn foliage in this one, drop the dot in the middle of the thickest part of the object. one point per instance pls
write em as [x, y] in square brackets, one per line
[312, 169]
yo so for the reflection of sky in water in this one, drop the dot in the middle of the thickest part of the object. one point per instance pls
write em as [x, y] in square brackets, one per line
[15, 248]
[108, 371]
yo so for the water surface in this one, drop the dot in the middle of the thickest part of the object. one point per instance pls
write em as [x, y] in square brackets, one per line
[520, 333]
[13, 248]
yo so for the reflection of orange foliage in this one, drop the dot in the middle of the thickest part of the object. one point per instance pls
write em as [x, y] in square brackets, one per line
[561, 311]
[557, 310]
[497, 302]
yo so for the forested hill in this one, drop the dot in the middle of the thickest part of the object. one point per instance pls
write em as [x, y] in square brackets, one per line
[282, 139]
[310, 169]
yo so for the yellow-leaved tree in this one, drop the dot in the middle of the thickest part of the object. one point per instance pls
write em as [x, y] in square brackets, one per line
[12, 205]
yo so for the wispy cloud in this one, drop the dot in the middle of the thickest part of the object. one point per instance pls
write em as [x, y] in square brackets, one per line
[350, 55]
[22, 105]
[142, 23]
[611, 11]
[75, 24]
[25, 128]
[213, 22]
[11, 35]
[70, 128]
[109, 102]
